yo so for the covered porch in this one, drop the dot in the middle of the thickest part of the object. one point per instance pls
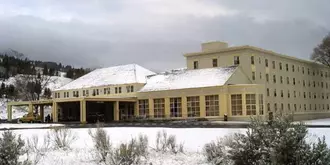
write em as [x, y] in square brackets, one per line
[91, 110]
[36, 107]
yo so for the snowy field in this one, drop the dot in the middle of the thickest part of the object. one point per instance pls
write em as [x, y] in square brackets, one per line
[193, 139]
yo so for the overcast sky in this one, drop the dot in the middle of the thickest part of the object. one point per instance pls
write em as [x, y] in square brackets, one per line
[156, 33]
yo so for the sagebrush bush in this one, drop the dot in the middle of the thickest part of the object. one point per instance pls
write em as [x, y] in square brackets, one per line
[165, 143]
[61, 137]
[278, 142]
[102, 143]
[11, 148]
[36, 150]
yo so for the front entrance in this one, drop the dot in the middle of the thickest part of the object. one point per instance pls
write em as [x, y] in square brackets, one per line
[69, 112]
[99, 111]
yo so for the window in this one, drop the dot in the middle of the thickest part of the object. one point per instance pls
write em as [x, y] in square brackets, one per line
[289, 107]
[144, 108]
[267, 91]
[268, 107]
[288, 94]
[260, 76]
[253, 75]
[236, 105]
[280, 64]
[105, 91]
[193, 107]
[281, 93]
[304, 94]
[67, 94]
[287, 67]
[215, 62]
[87, 92]
[273, 62]
[287, 80]
[294, 94]
[159, 108]
[274, 79]
[305, 107]
[261, 104]
[321, 84]
[303, 70]
[322, 95]
[275, 107]
[195, 64]
[259, 60]
[313, 73]
[314, 83]
[84, 93]
[275, 94]
[250, 104]
[294, 81]
[267, 77]
[321, 74]
[176, 107]
[266, 62]
[77, 93]
[281, 79]
[97, 91]
[236, 60]
[304, 83]
[292, 68]
[119, 89]
[130, 88]
[252, 60]
[295, 107]
[310, 95]
[64, 94]
[308, 71]
[212, 105]
[282, 107]
[116, 89]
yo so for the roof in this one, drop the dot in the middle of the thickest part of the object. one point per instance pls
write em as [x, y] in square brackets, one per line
[123, 74]
[237, 48]
[183, 79]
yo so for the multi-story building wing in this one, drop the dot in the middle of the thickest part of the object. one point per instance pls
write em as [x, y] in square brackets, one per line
[292, 85]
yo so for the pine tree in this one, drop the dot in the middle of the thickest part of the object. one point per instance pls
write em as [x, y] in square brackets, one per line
[11, 148]
[45, 70]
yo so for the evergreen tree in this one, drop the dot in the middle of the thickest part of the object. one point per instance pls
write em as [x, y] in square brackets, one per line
[45, 70]
[51, 72]
[69, 73]
[2, 89]
[11, 148]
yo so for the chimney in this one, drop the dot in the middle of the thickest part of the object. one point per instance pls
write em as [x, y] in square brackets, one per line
[213, 46]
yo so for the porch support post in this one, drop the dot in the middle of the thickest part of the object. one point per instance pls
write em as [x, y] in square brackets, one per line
[116, 111]
[9, 112]
[42, 114]
[55, 112]
[83, 111]
[30, 108]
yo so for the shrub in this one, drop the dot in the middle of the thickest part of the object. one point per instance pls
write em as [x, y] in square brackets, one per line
[61, 137]
[130, 153]
[165, 143]
[37, 150]
[216, 153]
[11, 148]
[101, 142]
[278, 142]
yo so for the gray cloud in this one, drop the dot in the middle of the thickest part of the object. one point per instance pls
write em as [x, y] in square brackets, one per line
[156, 33]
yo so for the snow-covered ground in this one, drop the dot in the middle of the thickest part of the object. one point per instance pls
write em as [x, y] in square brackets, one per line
[55, 82]
[193, 139]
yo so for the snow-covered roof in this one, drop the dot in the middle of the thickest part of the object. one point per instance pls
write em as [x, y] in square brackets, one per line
[182, 79]
[123, 74]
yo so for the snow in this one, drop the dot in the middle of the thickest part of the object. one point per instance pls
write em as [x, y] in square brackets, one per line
[123, 74]
[54, 82]
[318, 122]
[30, 125]
[182, 79]
[193, 138]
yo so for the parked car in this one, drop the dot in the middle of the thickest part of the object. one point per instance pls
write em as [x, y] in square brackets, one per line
[31, 118]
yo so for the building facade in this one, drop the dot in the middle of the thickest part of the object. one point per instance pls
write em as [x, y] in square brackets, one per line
[239, 82]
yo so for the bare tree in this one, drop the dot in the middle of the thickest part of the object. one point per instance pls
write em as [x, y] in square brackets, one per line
[31, 87]
[321, 52]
